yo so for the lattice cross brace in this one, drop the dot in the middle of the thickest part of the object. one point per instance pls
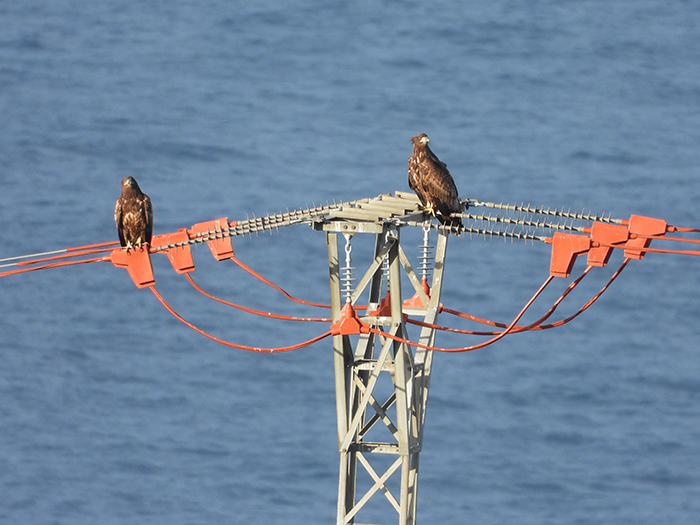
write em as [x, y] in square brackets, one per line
[379, 483]
[355, 423]
[371, 422]
[379, 409]
[376, 264]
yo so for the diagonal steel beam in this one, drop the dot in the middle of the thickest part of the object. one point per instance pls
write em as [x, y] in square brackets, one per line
[354, 424]
[377, 485]
[379, 409]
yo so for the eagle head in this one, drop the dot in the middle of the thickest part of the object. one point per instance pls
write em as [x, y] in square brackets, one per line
[130, 182]
[420, 140]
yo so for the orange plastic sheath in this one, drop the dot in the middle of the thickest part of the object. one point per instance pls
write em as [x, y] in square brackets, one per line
[52, 265]
[256, 312]
[258, 276]
[63, 256]
[473, 318]
[685, 230]
[234, 345]
[480, 345]
[452, 330]
[89, 246]
[652, 250]
[664, 238]
[517, 328]
[534, 326]
[589, 303]
[566, 292]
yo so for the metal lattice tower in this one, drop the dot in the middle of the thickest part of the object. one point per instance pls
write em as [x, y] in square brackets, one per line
[364, 362]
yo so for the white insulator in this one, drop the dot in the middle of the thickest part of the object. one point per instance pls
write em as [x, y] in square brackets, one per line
[385, 271]
[425, 256]
[347, 277]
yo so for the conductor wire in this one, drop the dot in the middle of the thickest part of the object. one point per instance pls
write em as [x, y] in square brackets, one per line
[536, 325]
[288, 296]
[253, 311]
[52, 265]
[234, 345]
[480, 345]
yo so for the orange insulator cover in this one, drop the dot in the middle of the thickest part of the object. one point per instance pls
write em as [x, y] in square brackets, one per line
[180, 256]
[349, 323]
[604, 236]
[565, 248]
[416, 301]
[384, 309]
[137, 261]
[643, 227]
[220, 245]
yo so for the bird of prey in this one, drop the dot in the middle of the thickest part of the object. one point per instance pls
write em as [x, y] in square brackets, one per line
[133, 214]
[429, 178]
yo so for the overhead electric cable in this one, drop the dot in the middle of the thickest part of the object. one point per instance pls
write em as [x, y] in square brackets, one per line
[253, 311]
[474, 347]
[234, 345]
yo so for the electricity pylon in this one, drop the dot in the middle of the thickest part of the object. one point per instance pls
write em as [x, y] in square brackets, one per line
[366, 406]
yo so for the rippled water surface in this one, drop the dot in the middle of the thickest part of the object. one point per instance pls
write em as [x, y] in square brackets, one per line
[113, 412]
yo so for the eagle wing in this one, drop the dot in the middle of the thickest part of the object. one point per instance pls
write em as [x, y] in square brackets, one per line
[414, 178]
[148, 212]
[439, 186]
[118, 219]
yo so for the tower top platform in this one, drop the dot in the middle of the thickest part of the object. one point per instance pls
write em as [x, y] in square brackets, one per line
[370, 215]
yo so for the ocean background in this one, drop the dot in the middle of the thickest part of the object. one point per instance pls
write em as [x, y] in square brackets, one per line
[113, 412]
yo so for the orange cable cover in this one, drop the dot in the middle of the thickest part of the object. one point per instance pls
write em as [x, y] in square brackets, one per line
[251, 310]
[474, 347]
[234, 345]
[291, 298]
[533, 326]
[53, 265]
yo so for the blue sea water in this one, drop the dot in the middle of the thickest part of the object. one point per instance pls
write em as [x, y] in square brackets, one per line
[113, 412]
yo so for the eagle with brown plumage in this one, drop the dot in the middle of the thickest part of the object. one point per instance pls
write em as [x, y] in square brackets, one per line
[133, 214]
[429, 178]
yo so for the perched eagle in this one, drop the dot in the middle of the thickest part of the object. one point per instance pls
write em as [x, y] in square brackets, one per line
[433, 184]
[133, 215]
